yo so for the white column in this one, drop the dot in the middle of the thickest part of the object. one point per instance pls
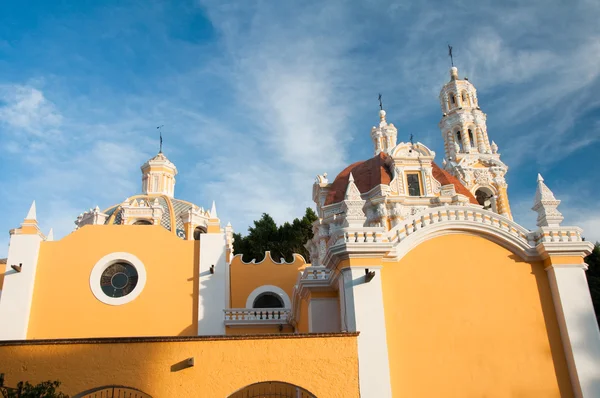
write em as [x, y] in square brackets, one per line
[212, 291]
[578, 327]
[365, 314]
[17, 292]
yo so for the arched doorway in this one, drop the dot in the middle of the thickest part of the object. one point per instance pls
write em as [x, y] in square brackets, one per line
[272, 389]
[112, 392]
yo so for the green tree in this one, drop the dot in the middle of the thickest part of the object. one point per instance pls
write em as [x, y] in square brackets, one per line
[46, 389]
[593, 278]
[282, 241]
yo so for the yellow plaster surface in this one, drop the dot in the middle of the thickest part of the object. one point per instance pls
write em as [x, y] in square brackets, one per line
[465, 317]
[247, 277]
[64, 306]
[325, 366]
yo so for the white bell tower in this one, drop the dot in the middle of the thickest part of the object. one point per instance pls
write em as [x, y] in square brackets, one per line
[469, 154]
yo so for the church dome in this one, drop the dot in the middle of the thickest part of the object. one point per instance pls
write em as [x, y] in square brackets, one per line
[172, 215]
[373, 172]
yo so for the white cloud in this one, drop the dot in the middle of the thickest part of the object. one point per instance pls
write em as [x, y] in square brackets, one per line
[25, 108]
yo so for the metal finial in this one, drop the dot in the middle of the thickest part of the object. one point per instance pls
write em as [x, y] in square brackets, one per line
[450, 54]
[380, 103]
[411, 140]
[160, 135]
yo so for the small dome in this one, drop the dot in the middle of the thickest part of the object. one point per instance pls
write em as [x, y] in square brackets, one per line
[171, 219]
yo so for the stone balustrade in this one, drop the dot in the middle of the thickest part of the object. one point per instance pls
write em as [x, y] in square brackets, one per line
[459, 214]
[316, 273]
[256, 316]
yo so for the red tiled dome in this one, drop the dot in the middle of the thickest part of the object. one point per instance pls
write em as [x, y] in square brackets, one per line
[372, 172]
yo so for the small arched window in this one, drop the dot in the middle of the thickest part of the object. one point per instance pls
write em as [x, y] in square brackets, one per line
[459, 141]
[268, 300]
[471, 140]
[452, 99]
[199, 231]
[143, 222]
[485, 197]
[464, 98]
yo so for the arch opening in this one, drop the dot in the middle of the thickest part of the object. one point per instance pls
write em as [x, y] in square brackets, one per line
[142, 222]
[199, 231]
[268, 300]
[486, 198]
[112, 392]
[471, 138]
[459, 141]
[272, 389]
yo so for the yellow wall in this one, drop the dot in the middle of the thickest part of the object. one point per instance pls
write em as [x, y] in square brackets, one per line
[64, 306]
[247, 277]
[465, 317]
[326, 366]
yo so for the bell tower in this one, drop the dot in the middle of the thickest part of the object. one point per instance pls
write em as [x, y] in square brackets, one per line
[469, 154]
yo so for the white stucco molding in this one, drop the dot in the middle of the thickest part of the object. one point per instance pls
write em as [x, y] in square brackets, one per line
[448, 220]
[106, 262]
[287, 303]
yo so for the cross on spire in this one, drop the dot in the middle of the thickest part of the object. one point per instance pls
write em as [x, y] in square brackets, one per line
[450, 54]
[380, 103]
[160, 135]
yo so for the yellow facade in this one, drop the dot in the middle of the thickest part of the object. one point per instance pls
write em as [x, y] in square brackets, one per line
[467, 317]
[64, 307]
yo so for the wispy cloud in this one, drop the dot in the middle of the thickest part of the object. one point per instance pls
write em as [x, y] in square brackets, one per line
[259, 97]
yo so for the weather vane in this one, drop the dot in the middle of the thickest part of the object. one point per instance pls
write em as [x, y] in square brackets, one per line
[160, 135]
[411, 140]
[380, 103]
[450, 54]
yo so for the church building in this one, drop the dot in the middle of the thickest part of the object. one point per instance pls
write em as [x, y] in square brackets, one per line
[419, 284]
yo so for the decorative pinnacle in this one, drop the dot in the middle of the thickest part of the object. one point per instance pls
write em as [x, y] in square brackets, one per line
[31, 214]
[213, 210]
[351, 178]
[50, 236]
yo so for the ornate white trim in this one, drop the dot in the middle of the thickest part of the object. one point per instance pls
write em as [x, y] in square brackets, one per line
[106, 262]
[287, 303]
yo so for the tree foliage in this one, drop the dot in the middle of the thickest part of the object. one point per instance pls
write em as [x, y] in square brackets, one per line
[593, 278]
[46, 389]
[282, 241]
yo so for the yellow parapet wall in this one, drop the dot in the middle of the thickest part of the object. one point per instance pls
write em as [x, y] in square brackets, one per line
[326, 364]
[466, 317]
[64, 306]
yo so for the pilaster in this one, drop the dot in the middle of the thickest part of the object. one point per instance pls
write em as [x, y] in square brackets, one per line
[363, 312]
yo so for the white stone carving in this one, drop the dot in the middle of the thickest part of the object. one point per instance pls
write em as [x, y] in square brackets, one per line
[545, 204]
[91, 217]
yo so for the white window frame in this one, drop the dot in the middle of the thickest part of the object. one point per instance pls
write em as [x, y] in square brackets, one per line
[287, 303]
[106, 262]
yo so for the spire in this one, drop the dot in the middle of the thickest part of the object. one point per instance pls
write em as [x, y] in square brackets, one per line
[31, 215]
[545, 204]
[50, 236]
[352, 192]
[213, 210]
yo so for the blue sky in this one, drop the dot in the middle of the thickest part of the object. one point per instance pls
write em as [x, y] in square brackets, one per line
[257, 97]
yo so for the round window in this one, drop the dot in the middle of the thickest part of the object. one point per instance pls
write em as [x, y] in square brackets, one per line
[119, 279]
